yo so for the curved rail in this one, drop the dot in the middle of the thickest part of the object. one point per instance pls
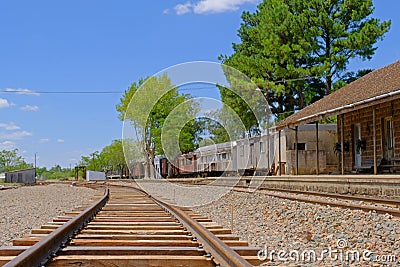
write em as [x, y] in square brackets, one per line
[375, 200]
[222, 253]
[364, 207]
[301, 196]
[41, 252]
[382, 210]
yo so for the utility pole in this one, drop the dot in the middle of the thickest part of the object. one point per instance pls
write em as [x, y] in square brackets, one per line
[35, 166]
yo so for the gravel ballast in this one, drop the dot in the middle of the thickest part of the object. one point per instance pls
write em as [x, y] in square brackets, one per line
[27, 207]
[288, 232]
[277, 224]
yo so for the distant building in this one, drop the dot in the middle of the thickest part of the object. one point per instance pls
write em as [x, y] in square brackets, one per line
[283, 153]
[307, 149]
[95, 176]
[21, 176]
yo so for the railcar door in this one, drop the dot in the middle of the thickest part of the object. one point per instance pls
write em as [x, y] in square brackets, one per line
[252, 156]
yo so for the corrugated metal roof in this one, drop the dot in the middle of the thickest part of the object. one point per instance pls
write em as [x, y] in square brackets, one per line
[379, 84]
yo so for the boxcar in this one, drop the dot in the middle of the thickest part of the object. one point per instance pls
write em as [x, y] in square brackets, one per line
[215, 160]
[252, 155]
[185, 165]
[161, 167]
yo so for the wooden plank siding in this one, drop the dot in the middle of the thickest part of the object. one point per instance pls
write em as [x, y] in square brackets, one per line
[365, 118]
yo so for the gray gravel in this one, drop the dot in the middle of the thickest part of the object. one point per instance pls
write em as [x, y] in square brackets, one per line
[279, 224]
[24, 208]
[273, 223]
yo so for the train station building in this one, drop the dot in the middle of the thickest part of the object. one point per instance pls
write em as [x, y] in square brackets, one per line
[368, 121]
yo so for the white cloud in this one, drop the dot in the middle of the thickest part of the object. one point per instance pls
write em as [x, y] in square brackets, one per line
[4, 103]
[220, 6]
[7, 145]
[21, 91]
[9, 126]
[15, 135]
[181, 9]
[211, 6]
[30, 108]
[166, 11]
[60, 140]
[44, 140]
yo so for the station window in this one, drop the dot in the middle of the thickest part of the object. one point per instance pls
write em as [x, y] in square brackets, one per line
[262, 147]
[300, 146]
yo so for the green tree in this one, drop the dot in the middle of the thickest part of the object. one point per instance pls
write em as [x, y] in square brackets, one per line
[342, 30]
[55, 172]
[10, 160]
[349, 77]
[148, 117]
[112, 157]
[218, 133]
[188, 136]
[237, 104]
[294, 50]
[93, 162]
[211, 131]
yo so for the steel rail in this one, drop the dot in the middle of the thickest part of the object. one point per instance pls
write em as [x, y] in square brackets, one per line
[334, 195]
[325, 194]
[375, 200]
[381, 210]
[45, 249]
[222, 253]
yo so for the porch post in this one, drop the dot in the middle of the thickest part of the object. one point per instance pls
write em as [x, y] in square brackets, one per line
[76, 173]
[317, 137]
[268, 136]
[374, 138]
[297, 149]
[342, 140]
[279, 153]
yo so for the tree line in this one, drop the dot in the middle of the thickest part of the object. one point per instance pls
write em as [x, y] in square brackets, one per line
[109, 160]
[295, 51]
[298, 51]
[11, 160]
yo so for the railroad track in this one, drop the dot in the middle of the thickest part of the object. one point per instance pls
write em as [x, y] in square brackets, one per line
[127, 227]
[389, 206]
[335, 200]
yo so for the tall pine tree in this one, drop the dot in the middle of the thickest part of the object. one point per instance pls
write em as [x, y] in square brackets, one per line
[295, 50]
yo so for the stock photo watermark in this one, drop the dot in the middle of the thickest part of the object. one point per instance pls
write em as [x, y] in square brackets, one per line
[340, 253]
[146, 136]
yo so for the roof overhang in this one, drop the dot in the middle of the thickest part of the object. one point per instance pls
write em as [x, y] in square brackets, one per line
[376, 100]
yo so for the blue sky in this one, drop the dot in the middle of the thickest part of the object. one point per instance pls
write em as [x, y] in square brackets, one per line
[89, 46]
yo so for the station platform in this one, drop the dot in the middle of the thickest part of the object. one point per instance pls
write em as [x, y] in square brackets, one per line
[384, 185]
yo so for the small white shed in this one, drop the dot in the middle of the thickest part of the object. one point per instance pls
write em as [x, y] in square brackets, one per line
[95, 176]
